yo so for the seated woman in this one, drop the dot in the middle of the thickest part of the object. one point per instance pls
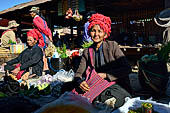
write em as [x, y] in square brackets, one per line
[29, 62]
[101, 66]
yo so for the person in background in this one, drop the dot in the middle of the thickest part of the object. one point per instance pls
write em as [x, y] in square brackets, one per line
[86, 37]
[29, 63]
[41, 25]
[8, 36]
[108, 63]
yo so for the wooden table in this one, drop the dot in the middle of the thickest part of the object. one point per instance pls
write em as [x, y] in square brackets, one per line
[138, 51]
[6, 56]
[134, 54]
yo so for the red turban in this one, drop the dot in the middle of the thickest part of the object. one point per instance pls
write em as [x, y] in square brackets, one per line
[34, 33]
[103, 21]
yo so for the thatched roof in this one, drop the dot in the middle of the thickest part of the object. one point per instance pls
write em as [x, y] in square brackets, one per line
[23, 5]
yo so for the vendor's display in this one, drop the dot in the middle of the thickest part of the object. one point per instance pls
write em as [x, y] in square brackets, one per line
[153, 73]
[145, 108]
[55, 64]
[76, 16]
[49, 51]
[4, 50]
[137, 105]
[17, 48]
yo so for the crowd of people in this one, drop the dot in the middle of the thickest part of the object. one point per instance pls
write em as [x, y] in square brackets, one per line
[102, 75]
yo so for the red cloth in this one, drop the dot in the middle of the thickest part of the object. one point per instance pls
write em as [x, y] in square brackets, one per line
[19, 74]
[74, 54]
[41, 25]
[94, 81]
[103, 21]
[37, 35]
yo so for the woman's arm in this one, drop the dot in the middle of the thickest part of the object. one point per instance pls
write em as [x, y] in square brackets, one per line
[35, 58]
[15, 60]
[121, 66]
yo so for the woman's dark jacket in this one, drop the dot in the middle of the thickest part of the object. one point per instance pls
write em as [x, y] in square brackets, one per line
[116, 65]
[30, 57]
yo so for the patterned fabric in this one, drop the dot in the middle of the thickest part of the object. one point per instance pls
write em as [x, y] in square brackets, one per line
[94, 81]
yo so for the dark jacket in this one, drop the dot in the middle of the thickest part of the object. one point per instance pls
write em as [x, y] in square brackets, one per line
[117, 66]
[30, 57]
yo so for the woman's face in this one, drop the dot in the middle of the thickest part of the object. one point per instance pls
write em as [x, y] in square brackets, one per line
[31, 41]
[97, 34]
[32, 14]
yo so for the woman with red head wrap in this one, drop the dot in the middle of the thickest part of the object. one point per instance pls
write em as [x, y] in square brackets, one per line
[30, 61]
[102, 65]
[37, 35]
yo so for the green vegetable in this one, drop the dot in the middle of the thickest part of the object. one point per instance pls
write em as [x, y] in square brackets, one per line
[62, 51]
[163, 53]
[87, 44]
[11, 42]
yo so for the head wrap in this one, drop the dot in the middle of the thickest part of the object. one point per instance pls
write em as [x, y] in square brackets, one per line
[103, 21]
[33, 33]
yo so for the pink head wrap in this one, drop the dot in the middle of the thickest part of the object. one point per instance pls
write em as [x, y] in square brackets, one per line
[34, 33]
[103, 21]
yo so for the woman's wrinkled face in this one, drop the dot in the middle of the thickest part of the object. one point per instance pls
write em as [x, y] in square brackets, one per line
[97, 34]
[32, 14]
[31, 41]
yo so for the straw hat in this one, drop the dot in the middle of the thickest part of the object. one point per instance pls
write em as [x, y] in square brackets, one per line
[163, 18]
[12, 23]
[35, 9]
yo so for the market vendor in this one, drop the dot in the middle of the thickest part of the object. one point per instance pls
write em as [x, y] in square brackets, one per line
[101, 66]
[30, 60]
[9, 36]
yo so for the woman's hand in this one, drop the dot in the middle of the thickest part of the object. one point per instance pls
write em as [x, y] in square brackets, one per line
[84, 86]
[16, 70]
[25, 76]
[102, 75]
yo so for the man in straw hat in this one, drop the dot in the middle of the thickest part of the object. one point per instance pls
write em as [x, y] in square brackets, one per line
[9, 36]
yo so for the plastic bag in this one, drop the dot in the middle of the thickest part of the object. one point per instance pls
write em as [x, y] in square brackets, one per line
[76, 16]
[49, 51]
[70, 103]
[63, 75]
